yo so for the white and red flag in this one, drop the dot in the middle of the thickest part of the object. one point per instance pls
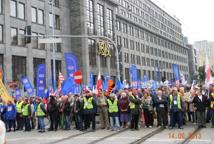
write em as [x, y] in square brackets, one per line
[99, 84]
[208, 74]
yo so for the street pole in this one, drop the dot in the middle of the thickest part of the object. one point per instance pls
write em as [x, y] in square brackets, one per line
[53, 48]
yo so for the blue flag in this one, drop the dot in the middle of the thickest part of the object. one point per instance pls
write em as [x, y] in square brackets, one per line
[17, 93]
[27, 85]
[176, 71]
[91, 81]
[41, 80]
[71, 64]
[118, 85]
[105, 82]
[68, 86]
[133, 74]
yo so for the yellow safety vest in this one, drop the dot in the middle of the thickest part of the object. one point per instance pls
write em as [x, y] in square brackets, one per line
[88, 103]
[19, 107]
[212, 102]
[178, 101]
[39, 111]
[131, 104]
[25, 111]
[112, 106]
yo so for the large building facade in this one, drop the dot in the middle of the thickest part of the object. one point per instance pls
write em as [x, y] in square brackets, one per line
[144, 34]
[19, 59]
[205, 48]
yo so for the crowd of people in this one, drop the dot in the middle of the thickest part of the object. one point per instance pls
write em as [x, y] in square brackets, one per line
[128, 108]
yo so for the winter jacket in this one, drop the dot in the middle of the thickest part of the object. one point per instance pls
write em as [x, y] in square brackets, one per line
[10, 112]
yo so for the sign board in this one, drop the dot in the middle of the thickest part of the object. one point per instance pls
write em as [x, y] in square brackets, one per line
[78, 77]
[50, 40]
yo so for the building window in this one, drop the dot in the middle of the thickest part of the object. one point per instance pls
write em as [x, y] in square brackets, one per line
[55, 3]
[100, 19]
[90, 16]
[13, 8]
[34, 41]
[147, 61]
[113, 58]
[127, 76]
[14, 36]
[17, 11]
[92, 52]
[40, 16]
[21, 37]
[1, 10]
[34, 14]
[18, 67]
[21, 11]
[57, 69]
[109, 20]
[54, 20]
[1, 34]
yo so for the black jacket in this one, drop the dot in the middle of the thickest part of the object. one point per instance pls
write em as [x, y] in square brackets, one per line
[200, 105]
[159, 102]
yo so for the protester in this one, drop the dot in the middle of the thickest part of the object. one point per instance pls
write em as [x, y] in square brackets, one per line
[102, 105]
[135, 103]
[161, 109]
[200, 104]
[124, 109]
[41, 113]
[78, 112]
[11, 116]
[67, 114]
[26, 113]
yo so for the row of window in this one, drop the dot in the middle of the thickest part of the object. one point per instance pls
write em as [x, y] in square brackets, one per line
[153, 40]
[17, 9]
[151, 74]
[99, 19]
[135, 59]
[1, 6]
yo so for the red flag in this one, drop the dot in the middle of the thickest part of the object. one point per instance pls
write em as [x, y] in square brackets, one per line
[111, 86]
[99, 84]
[208, 78]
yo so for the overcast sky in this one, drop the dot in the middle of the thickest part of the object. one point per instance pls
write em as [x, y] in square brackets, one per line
[196, 16]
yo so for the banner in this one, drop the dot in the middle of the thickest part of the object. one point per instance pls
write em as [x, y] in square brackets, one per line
[68, 86]
[133, 75]
[119, 85]
[105, 82]
[91, 81]
[17, 93]
[71, 64]
[4, 93]
[27, 85]
[40, 80]
[176, 71]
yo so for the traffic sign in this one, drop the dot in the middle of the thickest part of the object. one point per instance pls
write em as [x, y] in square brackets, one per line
[50, 40]
[78, 77]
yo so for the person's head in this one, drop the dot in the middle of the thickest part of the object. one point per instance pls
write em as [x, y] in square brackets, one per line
[145, 93]
[123, 94]
[192, 92]
[9, 102]
[76, 96]
[198, 92]
[134, 91]
[174, 91]
[112, 96]
[159, 92]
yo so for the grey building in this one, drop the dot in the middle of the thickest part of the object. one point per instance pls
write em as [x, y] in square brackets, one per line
[18, 59]
[145, 35]
[193, 62]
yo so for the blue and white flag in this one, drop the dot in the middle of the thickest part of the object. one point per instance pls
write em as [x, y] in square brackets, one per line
[105, 83]
[17, 93]
[91, 81]
[41, 80]
[133, 75]
[68, 86]
[71, 64]
[118, 85]
[176, 71]
[28, 86]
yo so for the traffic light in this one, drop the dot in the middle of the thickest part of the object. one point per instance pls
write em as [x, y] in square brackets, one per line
[28, 33]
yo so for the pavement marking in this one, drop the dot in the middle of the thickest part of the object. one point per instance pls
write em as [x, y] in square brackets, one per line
[108, 136]
[188, 139]
[144, 138]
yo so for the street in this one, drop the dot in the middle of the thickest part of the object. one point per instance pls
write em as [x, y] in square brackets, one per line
[124, 136]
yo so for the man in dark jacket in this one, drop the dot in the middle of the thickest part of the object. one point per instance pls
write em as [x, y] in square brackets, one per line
[53, 112]
[89, 109]
[135, 108]
[200, 104]
[161, 108]
[78, 112]
[67, 114]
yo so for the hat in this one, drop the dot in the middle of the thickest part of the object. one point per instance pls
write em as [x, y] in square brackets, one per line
[112, 95]
[76, 95]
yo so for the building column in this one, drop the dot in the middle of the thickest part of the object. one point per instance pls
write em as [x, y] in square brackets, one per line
[7, 52]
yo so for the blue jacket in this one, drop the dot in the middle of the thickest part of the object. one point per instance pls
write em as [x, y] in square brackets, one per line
[10, 112]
